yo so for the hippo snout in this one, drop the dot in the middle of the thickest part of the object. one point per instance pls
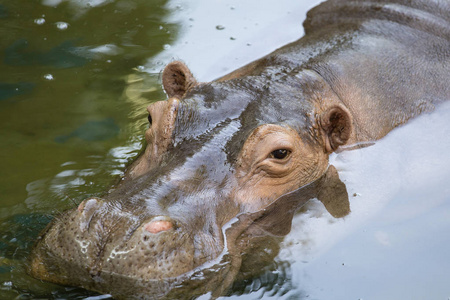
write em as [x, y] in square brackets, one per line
[100, 241]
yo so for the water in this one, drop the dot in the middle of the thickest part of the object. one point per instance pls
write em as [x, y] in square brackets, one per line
[75, 78]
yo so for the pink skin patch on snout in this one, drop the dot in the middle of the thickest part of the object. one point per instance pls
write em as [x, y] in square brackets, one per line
[158, 226]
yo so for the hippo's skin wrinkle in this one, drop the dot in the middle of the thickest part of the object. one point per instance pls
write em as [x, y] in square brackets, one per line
[227, 163]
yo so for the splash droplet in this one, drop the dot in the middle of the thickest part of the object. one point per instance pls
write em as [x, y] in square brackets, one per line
[62, 25]
[39, 21]
[220, 27]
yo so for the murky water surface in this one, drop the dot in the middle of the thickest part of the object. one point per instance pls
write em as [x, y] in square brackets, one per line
[75, 78]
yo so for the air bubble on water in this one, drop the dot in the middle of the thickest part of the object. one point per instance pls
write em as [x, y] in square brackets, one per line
[39, 21]
[48, 76]
[220, 27]
[166, 47]
[62, 25]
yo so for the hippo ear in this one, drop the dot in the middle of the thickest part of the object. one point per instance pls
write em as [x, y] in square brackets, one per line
[333, 194]
[177, 79]
[336, 124]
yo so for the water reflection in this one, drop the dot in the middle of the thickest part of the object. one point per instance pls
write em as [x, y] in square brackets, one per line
[60, 56]
[8, 90]
[71, 87]
[92, 131]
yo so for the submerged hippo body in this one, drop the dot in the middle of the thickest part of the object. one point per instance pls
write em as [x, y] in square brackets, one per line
[226, 161]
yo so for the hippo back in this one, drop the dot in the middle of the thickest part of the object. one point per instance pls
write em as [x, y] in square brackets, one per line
[431, 16]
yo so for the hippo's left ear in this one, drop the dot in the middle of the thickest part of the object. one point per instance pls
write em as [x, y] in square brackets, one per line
[177, 79]
[336, 125]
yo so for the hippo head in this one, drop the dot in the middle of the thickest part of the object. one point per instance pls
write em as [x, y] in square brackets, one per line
[222, 169]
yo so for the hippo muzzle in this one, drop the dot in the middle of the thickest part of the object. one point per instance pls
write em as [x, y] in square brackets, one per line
[101, 247]
[107, 240]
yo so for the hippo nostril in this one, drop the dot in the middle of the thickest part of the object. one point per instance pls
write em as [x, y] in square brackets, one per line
[159, 224]
[150, 121]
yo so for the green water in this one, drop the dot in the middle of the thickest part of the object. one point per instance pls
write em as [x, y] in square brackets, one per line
[72, 113]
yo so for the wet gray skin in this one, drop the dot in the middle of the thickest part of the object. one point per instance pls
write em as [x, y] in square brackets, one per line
[104, 241]
[189, 214]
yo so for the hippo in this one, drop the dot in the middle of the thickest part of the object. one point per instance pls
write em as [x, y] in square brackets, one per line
[228, 163]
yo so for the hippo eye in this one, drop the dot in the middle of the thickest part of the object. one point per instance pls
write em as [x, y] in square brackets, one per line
[279, 153]
[149, 119]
